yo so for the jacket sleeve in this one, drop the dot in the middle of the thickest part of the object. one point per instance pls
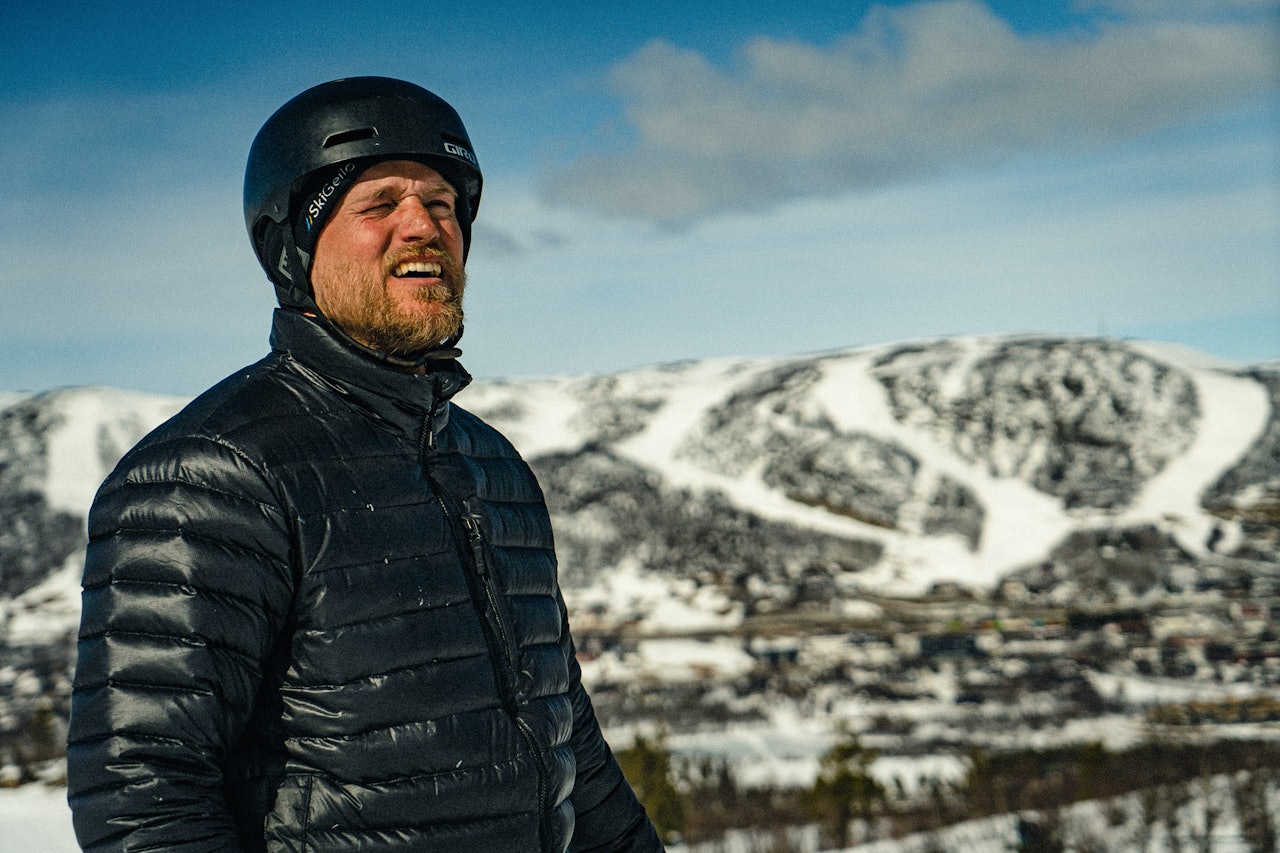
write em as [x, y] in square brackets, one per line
[187, 584]
[609, 817]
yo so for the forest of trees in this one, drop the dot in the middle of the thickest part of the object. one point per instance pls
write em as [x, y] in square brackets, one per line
[700, 801]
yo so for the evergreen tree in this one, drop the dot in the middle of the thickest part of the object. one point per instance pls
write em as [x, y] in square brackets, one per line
[845, 789]
[1250, 792]
[647, 766]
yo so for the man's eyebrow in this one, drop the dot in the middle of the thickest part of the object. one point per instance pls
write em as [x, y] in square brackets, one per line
[393, 191]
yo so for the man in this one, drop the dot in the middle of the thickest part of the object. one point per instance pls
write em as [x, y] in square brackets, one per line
[320, 604]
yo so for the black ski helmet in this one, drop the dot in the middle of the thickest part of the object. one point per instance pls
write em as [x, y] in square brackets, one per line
[355, 120]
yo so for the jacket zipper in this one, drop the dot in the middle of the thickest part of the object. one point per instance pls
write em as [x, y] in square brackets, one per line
[497, 632]
[475, 537]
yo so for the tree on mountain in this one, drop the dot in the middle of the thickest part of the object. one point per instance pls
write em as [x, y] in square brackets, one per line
[1251, 795]
[647, 766]
[845, 790]
[1039, 834]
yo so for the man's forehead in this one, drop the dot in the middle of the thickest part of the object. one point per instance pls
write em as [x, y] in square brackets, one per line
[389, 173]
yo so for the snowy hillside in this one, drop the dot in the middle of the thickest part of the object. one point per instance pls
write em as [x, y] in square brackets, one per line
[694, 495]
[895, 468]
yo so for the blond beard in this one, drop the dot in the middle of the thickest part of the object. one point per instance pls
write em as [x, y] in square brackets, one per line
[361, 307]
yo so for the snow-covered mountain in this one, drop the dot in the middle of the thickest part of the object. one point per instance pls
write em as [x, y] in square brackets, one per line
[773, 484]
[696, 495]
[55, 448]
[776, 508]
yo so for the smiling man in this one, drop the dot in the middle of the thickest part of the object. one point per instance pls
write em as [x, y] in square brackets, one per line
[388, 268]
[321, 609]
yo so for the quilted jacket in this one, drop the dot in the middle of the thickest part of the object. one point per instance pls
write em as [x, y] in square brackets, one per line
[321, 614]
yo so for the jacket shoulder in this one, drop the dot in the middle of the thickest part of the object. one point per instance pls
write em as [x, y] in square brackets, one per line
[476, 437]
[251, 403]
[227, 439]
[251, 411]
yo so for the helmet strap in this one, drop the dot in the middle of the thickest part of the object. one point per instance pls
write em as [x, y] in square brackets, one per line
[293, 285]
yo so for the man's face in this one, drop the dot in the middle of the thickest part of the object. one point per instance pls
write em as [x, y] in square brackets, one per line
[388, 263]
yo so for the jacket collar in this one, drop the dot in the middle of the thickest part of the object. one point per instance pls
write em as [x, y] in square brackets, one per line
[401, 396]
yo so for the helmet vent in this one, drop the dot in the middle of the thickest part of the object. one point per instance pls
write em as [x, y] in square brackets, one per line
[350, 136]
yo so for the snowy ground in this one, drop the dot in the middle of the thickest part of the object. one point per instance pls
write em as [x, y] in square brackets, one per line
[35, 818]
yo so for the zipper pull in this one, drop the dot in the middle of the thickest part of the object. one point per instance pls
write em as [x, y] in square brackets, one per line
[427, 437]
[475, 536]
[472, 525]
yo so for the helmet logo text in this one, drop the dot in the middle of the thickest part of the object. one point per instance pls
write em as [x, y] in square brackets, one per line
[459, 151]
[321, 199]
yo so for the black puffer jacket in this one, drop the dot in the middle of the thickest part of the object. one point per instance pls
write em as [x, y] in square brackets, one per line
[321, 614]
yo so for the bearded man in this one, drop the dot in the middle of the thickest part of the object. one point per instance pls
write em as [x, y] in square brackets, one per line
[321, 610]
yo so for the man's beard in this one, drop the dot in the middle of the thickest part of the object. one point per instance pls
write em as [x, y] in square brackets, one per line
[361, 307]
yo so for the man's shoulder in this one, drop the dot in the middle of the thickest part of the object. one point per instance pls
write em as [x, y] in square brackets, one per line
[250, 411]
[479, 435]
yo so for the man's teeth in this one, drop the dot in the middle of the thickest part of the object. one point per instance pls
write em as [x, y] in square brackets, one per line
[417, 268]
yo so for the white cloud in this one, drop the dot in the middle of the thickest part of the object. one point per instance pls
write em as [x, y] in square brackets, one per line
[1180, 9]
[1087, 246]
[919, 89]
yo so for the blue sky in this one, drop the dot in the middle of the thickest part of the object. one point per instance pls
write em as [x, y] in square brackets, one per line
[665, 181]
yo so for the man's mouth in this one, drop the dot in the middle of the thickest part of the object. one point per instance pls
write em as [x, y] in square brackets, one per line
[416, 269]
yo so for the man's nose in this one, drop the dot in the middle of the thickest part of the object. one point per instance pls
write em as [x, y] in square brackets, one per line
[416, 222]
